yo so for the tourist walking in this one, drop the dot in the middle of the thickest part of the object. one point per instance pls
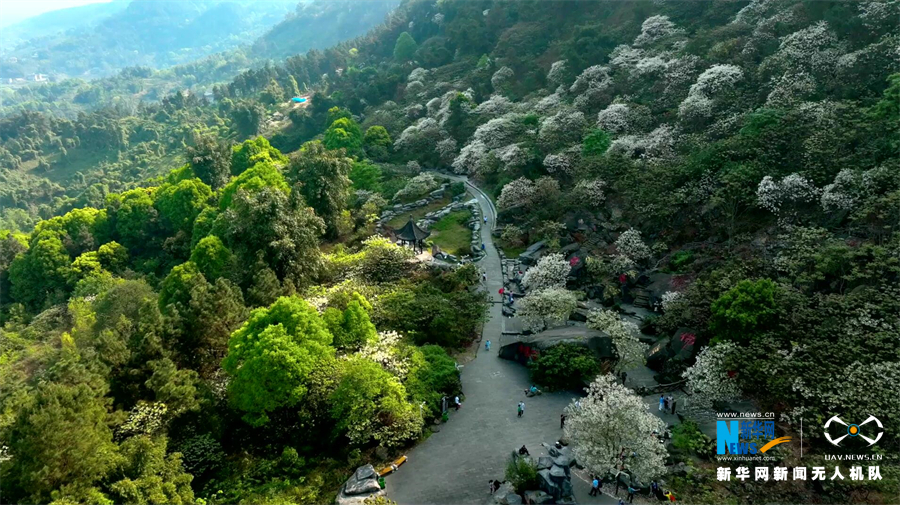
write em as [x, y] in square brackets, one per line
[666, 404]
[631, 491]
[624, 377]
[661, 401]
[483, 276]
[482, 246]
[456, 402]
[673, 405]
[487, 345]
[562, 421]
[485, 219]
[595, 486]
[521, 408]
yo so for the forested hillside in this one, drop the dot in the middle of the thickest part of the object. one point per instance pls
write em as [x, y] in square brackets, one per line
[234, 320]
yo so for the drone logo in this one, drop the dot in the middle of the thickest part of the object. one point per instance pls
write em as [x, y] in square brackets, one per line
[853, 431]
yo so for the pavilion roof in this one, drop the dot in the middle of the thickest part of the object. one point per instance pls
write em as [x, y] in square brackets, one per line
[411, 232]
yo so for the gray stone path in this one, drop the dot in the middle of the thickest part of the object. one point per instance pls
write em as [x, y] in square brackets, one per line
[454, 465]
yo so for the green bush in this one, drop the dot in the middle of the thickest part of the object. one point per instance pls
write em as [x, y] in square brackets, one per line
[680, 260]
[687, 437]
[564, 366]
[457, 188]
[522, 474]
[745, 310]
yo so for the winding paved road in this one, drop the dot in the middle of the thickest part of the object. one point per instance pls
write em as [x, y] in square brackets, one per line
[454, 465]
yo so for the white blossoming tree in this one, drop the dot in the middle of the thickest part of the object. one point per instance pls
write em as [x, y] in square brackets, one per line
[656, 28]
[704, 97]
[561, 129]
[709, 379]
[589, 192]
[631, 245]
[558, 73]
[549, 272]
[501, 79]
[546, 308]
[612, 417]
[784, 198]
[630, 350]
[518, 192]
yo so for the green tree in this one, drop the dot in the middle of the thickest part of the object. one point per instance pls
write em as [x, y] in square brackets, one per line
[263, 174]
[280, 229]
[60, 437]
[326, 185]
[146, 474]
[564, 366]
[377, 142]
[247, 116]
[366, 176]
[595, 143]
[210, 160]
[135, 218]
[345, 134]
[212, 258]
[273, 93]
[745, 310]
[271, 357]
[370, 403]
[113, 256]
[351, 327]
[180, 204]
[405, 48]
[42, 273]
[251, 152]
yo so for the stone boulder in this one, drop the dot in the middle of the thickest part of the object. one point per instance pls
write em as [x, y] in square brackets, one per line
[506, 495]
[533, 253]
[538, 497]
[361, 485]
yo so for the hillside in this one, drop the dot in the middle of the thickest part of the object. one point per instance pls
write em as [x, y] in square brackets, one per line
[713, 187]
[54, 22]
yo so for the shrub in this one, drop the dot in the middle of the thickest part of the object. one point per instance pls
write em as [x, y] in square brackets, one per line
[522, 474]
[564, 366]
[457, 188]
[745, 310]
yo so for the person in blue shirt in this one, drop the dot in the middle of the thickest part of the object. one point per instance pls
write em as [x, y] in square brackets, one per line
[487, 345]
[662, 400]
[595, 486]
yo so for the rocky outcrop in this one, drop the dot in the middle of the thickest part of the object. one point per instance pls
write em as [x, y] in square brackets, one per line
[361, 485]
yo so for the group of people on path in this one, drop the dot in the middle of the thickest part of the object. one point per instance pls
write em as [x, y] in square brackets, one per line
[666, 403]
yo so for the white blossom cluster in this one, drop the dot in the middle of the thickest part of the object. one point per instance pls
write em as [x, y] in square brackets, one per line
[558, 163]
[776, 196]
[446, 150]
[415, 111]
[630, 244]
[438, 19]
[843, 193]
[418, 186]
[414, 88]
[549, 104]
[712, 82]
[814, 49]
[495, 134]
[791, 88]
[591, 87]
[708, 379]
[625, 56]
[512, 157]
[387, 351]
[658, 144]
[547, 308]
[417, 74]
[656, 28]
[550, 271]
[496, 106]
[651, 66]
[878, 13]
[422, 136]
[590, 192]
[413, 166]
[469, 159]
[564, 128]
[631, 351]
[518, 192]
[557, 74]
[670, 300]
[753, 12]
[609, 419]
[501, 78]
[615, 118]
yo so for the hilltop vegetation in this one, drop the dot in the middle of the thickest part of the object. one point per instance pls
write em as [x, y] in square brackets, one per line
[747, 149]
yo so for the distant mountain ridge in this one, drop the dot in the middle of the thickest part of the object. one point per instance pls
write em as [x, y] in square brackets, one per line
[98, 40]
